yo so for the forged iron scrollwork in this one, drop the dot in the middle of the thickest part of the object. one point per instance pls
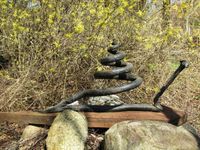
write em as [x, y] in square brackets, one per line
[121, 71]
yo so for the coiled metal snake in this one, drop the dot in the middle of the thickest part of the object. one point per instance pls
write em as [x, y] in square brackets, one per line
[121, 71]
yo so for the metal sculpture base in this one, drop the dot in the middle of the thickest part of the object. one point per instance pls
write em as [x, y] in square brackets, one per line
[110, 108]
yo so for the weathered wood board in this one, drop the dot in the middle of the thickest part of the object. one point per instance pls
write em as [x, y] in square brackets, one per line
[98, 119]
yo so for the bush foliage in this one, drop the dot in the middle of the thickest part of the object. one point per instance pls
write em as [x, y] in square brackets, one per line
[53, 47]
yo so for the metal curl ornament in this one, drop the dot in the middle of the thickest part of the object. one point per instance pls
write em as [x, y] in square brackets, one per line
[121, 71]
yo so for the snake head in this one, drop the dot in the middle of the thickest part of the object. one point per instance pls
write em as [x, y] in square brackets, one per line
[114, 48]
[184, 64]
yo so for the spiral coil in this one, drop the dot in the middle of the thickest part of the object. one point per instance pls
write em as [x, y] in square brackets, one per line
[121, 71]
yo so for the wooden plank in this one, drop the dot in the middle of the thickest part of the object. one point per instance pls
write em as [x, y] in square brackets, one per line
[97, 119]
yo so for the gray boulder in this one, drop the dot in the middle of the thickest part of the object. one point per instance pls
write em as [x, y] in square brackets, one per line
[68, 131]
[149, 135]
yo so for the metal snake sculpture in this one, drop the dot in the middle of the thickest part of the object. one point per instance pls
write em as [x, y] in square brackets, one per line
[121, 71]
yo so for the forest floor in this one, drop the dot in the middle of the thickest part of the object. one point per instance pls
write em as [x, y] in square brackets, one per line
[10, 133]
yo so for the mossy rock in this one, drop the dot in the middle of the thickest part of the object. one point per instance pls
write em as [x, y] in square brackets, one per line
[68, 131]
[154, 135]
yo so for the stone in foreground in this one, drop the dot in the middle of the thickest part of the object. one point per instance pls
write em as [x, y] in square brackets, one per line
[148, 135]
[31, 136]
[68, 131]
